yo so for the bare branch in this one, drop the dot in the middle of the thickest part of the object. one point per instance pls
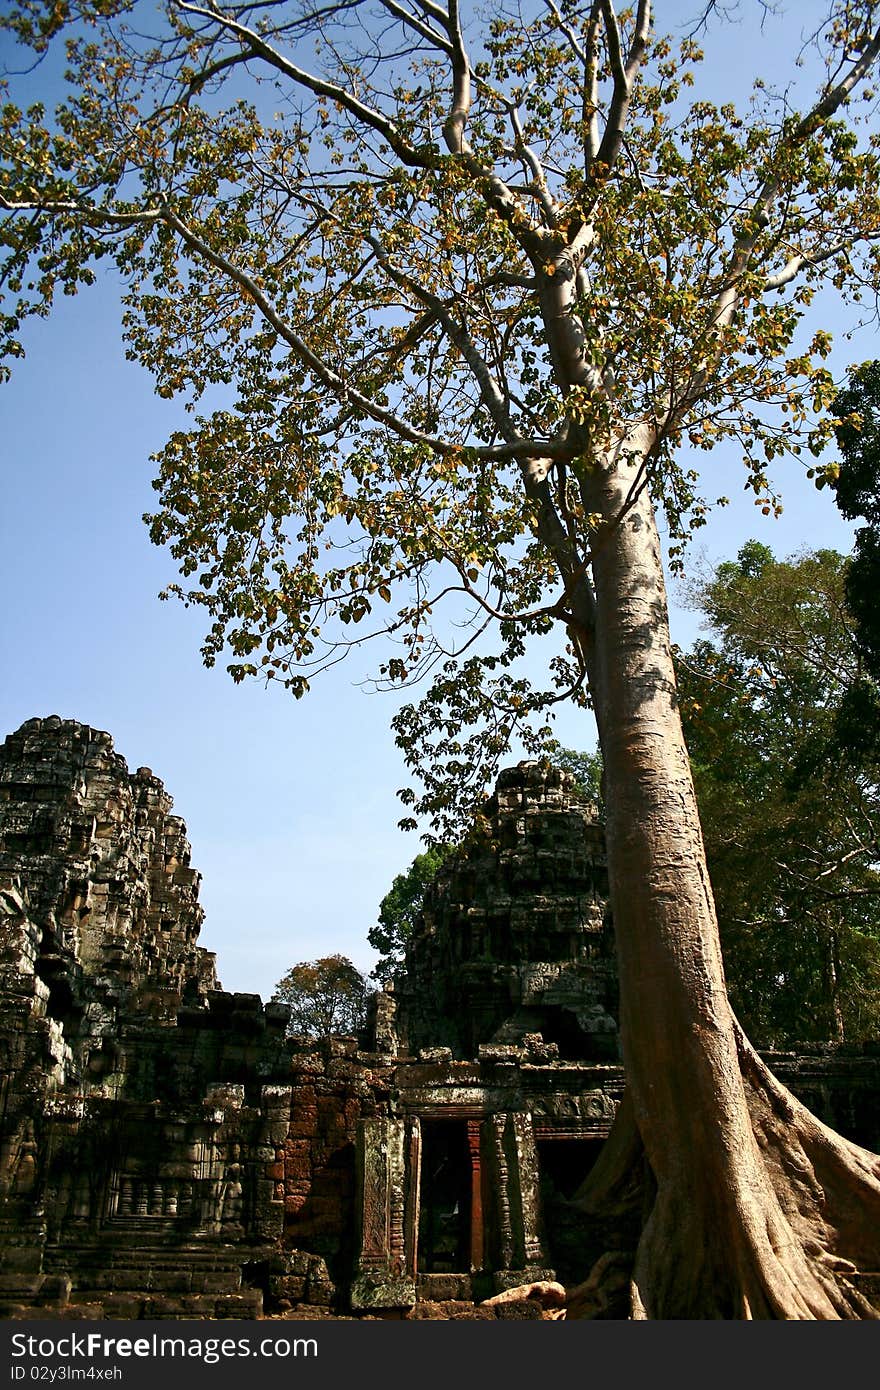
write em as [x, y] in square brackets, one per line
[434, 11]
[368, 115]
[796, 264]
[406, 17]
[623, 72]
[213, 69]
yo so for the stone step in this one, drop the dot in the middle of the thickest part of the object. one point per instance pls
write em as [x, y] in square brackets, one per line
[99, 1304]
[105, 1245]
[163, 1305]
[133, 1266]
[144, 1277]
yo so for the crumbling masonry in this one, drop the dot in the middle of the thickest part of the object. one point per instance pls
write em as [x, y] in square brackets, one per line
[167, 1151]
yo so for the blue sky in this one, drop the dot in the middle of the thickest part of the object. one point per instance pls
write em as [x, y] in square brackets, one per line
[290, 806]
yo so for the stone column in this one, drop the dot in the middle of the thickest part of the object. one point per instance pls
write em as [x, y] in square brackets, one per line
[413, 1198]
[275, 1115]
[473, 1141]
[527, 1163]
[384, 1278]
[521, 1258]
[501, 1177]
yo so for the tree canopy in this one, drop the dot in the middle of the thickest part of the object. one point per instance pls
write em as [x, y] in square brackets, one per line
[385, 229]
[400, 909]
[326, 996]
[790, 810]
[469, 286]
[857, 494]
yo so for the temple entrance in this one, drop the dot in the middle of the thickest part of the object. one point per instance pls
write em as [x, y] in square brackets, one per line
[445, 1209]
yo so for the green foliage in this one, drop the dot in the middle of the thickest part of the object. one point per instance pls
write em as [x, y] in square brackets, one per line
[401, 907]
[857, 493]
[326, 996]
[585, 768]
[790, 812]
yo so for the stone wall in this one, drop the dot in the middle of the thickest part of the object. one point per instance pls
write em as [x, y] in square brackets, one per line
[167, 1150]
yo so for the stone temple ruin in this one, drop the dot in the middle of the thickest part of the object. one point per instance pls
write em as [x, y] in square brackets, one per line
[166, 1150]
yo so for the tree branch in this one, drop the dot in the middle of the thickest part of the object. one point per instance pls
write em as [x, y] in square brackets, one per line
[793, 267]
[623, 72]
[496, 192]
[490, 391]
[515, 449]
[368, 115]
[91, 216]
[728, 299]
[406, 17]
[535, 168]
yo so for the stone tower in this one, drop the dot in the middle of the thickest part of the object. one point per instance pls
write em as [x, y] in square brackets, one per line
[515, 937]
[95, 872]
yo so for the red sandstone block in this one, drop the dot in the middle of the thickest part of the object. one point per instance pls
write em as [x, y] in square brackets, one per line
[302, 1096]
[296, 1148]
[302, 1128]
[329, 1107]
[298, 1170]
[298, 1185]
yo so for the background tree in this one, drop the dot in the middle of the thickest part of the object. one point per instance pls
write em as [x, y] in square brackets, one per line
[326, 996]
[400, 909]
[856, 485]
[585, 768]
[790, 810]
[473, 285]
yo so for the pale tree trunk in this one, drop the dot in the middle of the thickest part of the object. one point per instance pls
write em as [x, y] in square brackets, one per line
[834, 985]
[745, 1205]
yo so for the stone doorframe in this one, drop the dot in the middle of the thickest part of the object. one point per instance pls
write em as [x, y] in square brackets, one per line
[505, 1245]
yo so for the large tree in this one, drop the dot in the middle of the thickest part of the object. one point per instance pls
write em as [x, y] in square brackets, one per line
[473, 284]
[789, 802]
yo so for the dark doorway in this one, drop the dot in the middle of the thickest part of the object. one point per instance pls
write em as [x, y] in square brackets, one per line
[445, 1205]
[563, 1165]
